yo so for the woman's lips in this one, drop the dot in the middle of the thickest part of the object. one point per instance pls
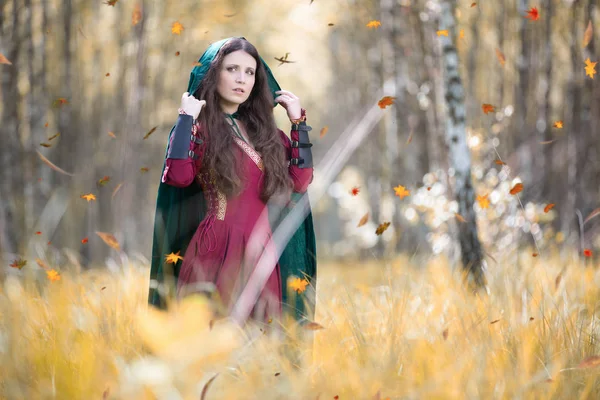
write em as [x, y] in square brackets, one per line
[237, 92]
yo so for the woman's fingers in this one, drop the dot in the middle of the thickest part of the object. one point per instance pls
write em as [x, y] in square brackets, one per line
[286, 92]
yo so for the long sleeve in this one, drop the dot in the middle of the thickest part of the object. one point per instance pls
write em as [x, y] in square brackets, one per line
[184, 157]
[301, 167]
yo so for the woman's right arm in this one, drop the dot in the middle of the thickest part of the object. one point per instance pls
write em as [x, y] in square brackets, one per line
[186, 149]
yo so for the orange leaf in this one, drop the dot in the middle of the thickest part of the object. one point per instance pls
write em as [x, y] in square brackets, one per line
[549, 207]
[42, 264]
[401, 191]
[354, 191]
[500, 56]
[460, 218]
[4, 60]
[374, 24]
[313, 326]
[109, 239]
[535, 254]
[112, 135]
[177, 28]
[53, 275]
[558, 124]
[500, 162]
[587, 252]
[104, 180]
[59, 102]
[84, 240]
[590, 362]
[516, 189]
[144, 169]
[136, 15]
[173, 258]
[386, 101]
[117, 189]
[443, 32]
[445, 334]
[487, 108]
[323, 131]
[587, 36]
[473, 4]
[38, 233]
[533, 14]
[382, 227]
[363, 220]
[111, 2]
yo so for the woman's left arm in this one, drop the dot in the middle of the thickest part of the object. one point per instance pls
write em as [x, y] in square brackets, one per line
[299, 153]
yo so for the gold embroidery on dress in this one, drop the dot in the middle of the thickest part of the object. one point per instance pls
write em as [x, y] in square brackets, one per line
[253, 154]
[208, 182]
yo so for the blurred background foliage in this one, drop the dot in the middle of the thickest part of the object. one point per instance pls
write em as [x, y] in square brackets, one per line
[104, 74]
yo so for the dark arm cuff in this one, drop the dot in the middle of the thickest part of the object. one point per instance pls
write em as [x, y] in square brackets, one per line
[304, 145]
[179, 146]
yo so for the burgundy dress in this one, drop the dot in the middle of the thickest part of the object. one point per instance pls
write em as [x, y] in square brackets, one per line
[217, 252]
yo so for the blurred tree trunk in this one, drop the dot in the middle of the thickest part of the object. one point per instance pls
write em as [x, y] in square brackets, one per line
[460, 157]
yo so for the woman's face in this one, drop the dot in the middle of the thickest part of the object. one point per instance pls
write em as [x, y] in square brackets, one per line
[237, 71]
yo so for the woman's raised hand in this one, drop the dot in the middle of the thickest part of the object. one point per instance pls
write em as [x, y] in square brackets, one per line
[191, 105]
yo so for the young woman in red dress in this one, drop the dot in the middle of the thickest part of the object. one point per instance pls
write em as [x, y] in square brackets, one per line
[226, 139]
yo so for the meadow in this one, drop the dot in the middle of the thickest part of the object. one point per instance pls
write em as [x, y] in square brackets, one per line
[401, 329]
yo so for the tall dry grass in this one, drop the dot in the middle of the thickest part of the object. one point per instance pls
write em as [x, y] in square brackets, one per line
[391, 330]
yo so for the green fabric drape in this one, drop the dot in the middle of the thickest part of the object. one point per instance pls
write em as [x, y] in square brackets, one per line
[179, 211]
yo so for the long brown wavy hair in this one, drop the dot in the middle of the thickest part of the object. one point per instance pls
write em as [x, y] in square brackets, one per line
[256, 113]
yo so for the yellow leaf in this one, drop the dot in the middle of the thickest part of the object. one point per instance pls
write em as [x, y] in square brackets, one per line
[373, 24]
[587, 36]
[323, 131]
[483, 201]
[177, 28]
[442, 32]
[382, 228]
[363, 220]
[53, 275]
[297, 284]
[173, 258]
[590, 68]
[558, 124]
[136, 15]
[89, 197]
[401, 191]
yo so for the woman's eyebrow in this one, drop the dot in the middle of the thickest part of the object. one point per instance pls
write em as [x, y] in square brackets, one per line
[235, 65]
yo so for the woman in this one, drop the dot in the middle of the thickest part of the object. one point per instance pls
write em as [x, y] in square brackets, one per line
[225, 160]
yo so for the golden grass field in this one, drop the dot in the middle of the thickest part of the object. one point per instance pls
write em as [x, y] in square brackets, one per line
[390, 331]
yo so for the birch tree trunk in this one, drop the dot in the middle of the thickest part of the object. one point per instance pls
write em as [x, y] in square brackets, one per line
[458, 151]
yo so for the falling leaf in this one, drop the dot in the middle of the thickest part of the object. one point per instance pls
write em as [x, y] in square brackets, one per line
[329, 24]
[54, 136]
[116, 189]
[386, 101]
[445, 334]
[38, 233]
[313, 326]
[4, 60]
[590, 362]
[177, 28]
[487, 108]
[42, 264]
[111, 2]
[104, 180]
[206, 386]
[84, 240]
[59, 102]
[89, 197]
[323, 131]
[590, 68]
[534, 254]
[144, 169]
[548, 141]
[173, 258]
[381, 228]
[401, 191]
[177, 54]
[150, 133]
[494, 321]
[428, 188]
[53, 275]
[587, 36]
[354, 191]
[299, 285]
[549, 207]
[443, 32]
[460, 218]
[112, 135]
[18, 263]
[500, 162]
[54, 167]
[500, 56]
[558, 124]
[363, 220]
[410, 136]
[109, 239]
[461, 34]
[473, 5]
[593, 214]
[107, 74]
[373, 24]
[277, 373]
[516, 189]
[587, 252]
[533, 14]
[136, 15]
[45, 144]
[483, 201]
